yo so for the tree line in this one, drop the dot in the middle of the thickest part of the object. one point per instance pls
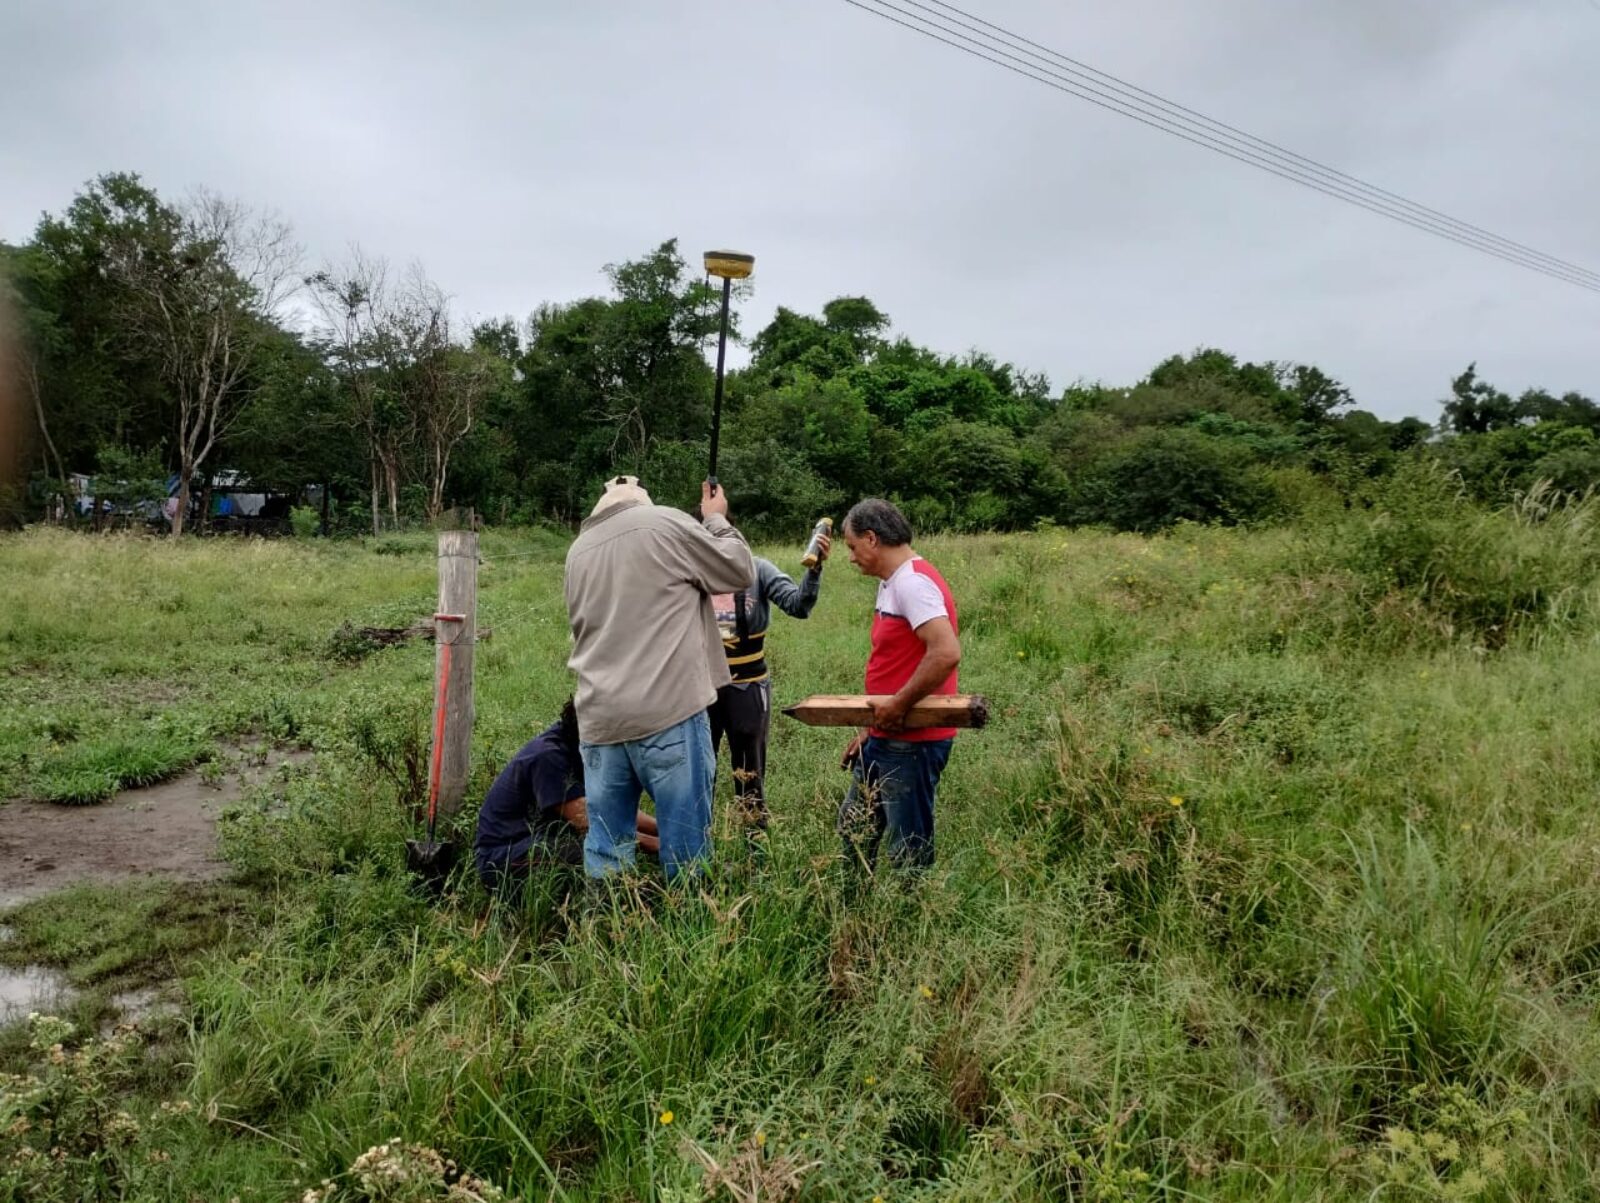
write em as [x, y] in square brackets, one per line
[164, 343]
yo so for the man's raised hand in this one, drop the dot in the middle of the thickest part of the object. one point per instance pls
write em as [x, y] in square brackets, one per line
[713, 500]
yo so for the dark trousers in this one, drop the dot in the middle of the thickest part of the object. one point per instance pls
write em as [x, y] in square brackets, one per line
[509, 866]
[892, 788]
[744, 714]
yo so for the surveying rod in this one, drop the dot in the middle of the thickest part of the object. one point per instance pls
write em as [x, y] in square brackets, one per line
[727, 266]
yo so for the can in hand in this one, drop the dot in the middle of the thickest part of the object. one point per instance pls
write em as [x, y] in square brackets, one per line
[812, 557]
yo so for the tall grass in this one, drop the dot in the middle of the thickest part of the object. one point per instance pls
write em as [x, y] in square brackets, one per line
[1273, 878]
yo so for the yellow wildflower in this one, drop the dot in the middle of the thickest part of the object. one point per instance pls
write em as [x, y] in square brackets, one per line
[666, 1117]
[1176, 800]
[870, 1080]
[761, 1139]
[925, 990]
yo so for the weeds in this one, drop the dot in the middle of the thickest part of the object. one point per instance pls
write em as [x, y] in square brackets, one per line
[65, 1133]
[1426, 976]
[397, 1172]
[1486, 576]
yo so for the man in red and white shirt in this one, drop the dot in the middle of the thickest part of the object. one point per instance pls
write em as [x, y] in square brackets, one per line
[915, 650]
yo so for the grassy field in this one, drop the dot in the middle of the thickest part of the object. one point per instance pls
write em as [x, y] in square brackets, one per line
[1276, 877]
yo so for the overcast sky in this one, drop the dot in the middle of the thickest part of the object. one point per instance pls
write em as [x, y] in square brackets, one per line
[515, 148]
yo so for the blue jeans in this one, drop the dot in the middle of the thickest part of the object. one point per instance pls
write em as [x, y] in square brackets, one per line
[891, 795]
[676, 767]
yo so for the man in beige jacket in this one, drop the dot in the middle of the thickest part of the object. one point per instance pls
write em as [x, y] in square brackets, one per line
[649, 659]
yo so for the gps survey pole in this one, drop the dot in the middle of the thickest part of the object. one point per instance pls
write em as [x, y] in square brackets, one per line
[727, 266]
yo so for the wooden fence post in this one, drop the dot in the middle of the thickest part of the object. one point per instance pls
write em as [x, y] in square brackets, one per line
[455, 632]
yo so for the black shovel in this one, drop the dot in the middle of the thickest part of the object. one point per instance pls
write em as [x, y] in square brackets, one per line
[432, 859]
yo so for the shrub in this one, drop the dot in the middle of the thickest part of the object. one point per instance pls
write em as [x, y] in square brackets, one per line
[1571, 469]
[1481, 573]
[305, 522]
[1160, 477]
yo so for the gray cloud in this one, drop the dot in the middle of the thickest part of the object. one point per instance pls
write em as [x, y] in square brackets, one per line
[515, 148]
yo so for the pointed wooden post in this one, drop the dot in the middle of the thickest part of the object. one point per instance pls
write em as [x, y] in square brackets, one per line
[855, 710]
[455, 635]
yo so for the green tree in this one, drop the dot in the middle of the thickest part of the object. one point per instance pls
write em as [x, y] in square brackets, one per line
[859, 322]
[1158, 477]
[1569, 409]
[1477, 407]
[653, 380]
[981, 476]
[89, 382]
[295, 432]
[821, 423]
[849, 333]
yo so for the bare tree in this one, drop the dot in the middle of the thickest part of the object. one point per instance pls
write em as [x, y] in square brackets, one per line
[445, 383]
[354, 301]
[205, 303]
[415, 392]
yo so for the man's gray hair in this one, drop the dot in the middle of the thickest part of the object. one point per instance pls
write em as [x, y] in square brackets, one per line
[880, 517]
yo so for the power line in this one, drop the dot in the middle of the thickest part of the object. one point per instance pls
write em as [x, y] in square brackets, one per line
[1190, 131]
[1238, 136]
[1157, 119]
[1208, 138]
[1157, 113]
[1233, 147]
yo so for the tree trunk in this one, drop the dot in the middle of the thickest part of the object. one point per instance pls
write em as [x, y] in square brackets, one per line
[391, 472]
[441, 458]
[182, 515]
[44, 427]
[375, 497]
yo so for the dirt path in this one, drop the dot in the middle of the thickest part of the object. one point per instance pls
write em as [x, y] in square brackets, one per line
[167, 830]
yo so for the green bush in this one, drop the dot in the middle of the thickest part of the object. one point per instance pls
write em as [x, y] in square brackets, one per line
[1300, 494]
[773, 491]
[305, 522]
[1478, 573]
[1159, 477]
[1571, 469]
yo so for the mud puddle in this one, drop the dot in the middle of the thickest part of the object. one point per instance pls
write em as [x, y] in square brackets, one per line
[166, 830]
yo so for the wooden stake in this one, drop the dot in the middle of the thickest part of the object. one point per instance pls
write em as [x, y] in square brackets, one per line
[456, 624]
[854, 710]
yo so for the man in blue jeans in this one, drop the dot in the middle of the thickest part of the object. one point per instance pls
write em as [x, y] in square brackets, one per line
[649, 660]
[916, 647]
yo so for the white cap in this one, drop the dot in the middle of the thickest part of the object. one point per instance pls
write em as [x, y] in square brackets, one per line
[618, 490]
